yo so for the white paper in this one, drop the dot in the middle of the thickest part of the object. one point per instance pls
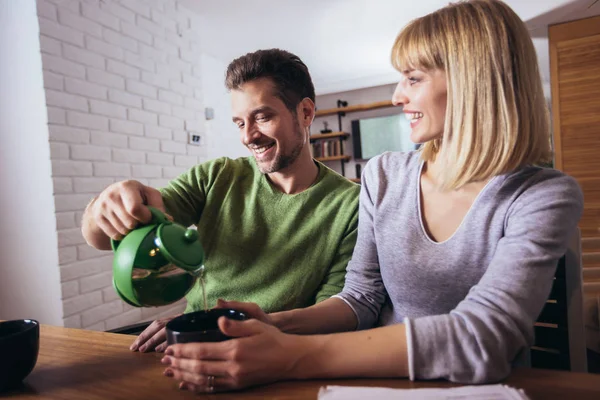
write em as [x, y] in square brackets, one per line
[483, 392]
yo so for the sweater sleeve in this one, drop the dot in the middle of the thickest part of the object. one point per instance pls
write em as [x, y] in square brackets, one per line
[185, 196]
[334, 280]
[477, 341]
[364, 290]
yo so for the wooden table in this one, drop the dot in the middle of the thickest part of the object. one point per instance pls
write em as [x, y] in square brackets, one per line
[78, 364]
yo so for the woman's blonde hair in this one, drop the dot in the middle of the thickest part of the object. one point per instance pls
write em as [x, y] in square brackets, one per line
[496, 116]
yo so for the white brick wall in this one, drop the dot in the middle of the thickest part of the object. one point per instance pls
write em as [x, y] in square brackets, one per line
[70, 289]
[127, 127]
[65, 220]
[161, 159]
[91, 185]
[84, 88]
[146, 144]
[53, 81]
[105, 78]
[67, 255]
[85, 57]
[158, 132]
[109, 139]
[59, 151]
[86, 120]
[122, 86]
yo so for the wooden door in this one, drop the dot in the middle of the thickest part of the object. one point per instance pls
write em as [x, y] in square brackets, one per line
[575, 75]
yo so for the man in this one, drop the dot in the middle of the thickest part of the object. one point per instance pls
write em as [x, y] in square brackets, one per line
[277, 228]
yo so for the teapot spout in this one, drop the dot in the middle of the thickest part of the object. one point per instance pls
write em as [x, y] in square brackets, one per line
[198, 273]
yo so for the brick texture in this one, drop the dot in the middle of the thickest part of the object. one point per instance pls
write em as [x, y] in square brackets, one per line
[123, 86]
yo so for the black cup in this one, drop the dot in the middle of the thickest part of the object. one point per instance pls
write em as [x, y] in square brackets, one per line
[200, 326]
[19, 347]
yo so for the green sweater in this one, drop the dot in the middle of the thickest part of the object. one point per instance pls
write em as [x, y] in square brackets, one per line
[278, 250]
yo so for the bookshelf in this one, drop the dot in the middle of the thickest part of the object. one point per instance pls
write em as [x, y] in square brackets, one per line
[333, 158]
[335, 152]
[331, 135]
[355, 108]
[329, 147]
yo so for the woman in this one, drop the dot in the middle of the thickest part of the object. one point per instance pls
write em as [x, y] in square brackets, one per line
[457, 243]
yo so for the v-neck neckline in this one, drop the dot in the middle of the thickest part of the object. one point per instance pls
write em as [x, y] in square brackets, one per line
[462, 222]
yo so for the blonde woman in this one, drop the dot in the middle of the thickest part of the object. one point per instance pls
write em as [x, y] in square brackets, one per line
[457, 243]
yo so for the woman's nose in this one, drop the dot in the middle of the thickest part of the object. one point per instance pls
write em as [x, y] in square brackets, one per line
[399, 97]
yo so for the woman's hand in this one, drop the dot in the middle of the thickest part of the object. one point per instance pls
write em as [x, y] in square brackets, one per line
[252, 310]
[260, 354]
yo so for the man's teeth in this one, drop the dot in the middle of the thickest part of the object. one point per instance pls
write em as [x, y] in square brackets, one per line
[262, 149]
[414, 116]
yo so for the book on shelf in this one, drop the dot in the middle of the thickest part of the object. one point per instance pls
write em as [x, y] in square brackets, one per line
[326, 148]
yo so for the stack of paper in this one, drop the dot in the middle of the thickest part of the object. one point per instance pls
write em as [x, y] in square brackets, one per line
[484, 392]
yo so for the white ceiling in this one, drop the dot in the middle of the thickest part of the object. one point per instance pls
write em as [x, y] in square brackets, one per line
[346, 43]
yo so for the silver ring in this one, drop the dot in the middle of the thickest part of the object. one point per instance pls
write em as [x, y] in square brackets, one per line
[211, 383]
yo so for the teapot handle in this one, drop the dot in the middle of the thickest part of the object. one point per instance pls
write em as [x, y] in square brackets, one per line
[158, 217]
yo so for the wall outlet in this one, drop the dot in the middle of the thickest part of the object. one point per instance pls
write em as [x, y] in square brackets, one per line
[195, 139]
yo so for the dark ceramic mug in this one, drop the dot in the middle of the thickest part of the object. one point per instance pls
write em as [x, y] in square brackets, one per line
[19, 347]
[200, 326]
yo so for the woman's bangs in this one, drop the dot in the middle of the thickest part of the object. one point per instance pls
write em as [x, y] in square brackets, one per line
[415, 48]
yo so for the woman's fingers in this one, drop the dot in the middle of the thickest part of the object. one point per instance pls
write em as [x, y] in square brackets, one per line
[246, 328]
[201, 351]
[258, 353]
[194, 371]
[200, 376]
[219, 385]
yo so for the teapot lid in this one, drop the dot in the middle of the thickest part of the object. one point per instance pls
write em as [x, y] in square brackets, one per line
[180, 246]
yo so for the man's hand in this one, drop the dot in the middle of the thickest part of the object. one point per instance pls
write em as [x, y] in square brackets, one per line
[252, 310]
[117, 210]
[154, 337]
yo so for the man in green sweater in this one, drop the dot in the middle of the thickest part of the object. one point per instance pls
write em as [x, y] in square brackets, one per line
[278, 228]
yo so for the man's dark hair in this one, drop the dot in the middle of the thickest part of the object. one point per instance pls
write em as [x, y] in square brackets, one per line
[288, 73]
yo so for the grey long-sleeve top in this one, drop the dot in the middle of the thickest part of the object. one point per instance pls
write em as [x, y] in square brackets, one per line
[469, 303]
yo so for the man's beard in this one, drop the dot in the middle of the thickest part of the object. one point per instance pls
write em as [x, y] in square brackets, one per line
[282, 161]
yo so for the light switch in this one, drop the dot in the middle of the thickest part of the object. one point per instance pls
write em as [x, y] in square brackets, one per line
[195, 139]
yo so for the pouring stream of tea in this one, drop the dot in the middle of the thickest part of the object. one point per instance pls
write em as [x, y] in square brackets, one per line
[200, 274]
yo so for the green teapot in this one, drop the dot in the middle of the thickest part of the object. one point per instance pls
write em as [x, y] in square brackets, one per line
[158, 263]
